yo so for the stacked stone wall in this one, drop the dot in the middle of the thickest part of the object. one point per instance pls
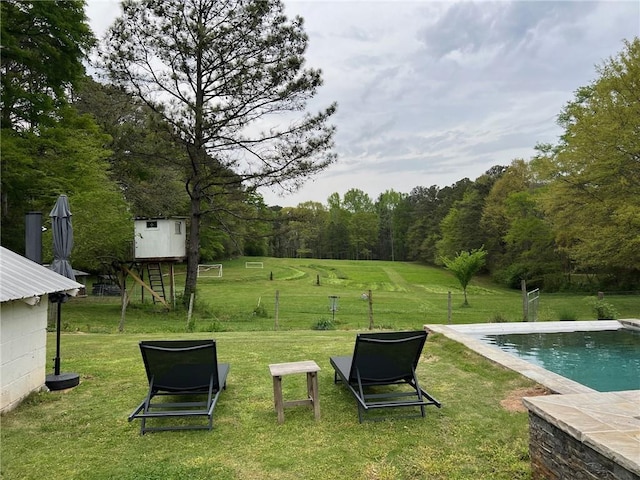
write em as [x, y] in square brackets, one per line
[556, 455]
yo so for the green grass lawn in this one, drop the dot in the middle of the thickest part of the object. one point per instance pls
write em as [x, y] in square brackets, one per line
[84, 434]
[404, 296]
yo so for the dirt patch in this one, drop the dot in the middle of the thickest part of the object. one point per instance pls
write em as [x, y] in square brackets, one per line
[513, 402]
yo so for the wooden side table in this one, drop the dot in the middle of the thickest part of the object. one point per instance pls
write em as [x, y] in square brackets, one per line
[311, 368]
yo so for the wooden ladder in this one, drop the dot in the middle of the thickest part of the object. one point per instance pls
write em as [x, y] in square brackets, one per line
[156, 282]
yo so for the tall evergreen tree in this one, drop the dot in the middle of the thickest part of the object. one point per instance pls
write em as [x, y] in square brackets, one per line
[217, 72]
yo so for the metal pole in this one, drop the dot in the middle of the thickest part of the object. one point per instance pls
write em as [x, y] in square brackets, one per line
[56, 361]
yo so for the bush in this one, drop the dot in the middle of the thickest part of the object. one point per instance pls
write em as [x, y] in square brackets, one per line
[603, 309]
[511, 276]
[260, 311]
[324, 324]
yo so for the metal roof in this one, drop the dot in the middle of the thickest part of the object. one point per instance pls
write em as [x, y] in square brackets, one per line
[21, 278]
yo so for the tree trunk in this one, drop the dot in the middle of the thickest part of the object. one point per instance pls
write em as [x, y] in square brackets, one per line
[193, 249]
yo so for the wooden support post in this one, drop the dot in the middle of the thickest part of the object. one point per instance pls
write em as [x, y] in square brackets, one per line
[370, 311]
[275, 327]
[146, 287]
[172, 287]
[525, 302]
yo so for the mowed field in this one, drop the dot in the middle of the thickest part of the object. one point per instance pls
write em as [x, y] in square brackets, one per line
[295, 294]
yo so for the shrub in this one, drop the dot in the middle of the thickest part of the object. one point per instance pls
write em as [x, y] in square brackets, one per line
[498, 318]
[603, 309]
[324, 324]
[260, 311]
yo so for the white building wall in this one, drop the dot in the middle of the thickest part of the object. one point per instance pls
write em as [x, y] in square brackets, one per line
[160, 238]
[23, 350]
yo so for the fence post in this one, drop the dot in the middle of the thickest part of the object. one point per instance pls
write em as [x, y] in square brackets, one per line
[275, 327]
[449, 312]
[525, 303]
[370, 311]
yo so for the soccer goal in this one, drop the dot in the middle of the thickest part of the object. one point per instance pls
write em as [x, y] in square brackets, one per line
[211, 271]
[253, 265]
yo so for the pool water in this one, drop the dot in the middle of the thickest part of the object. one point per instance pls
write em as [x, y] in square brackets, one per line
[606, 361]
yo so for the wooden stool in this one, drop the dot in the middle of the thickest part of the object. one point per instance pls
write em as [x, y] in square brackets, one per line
[309, 367]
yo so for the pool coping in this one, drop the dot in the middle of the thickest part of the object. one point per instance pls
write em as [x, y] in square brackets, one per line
[607, 422]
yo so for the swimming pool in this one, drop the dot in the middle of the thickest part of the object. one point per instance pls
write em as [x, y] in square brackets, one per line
[469, 335]
[605, 422]
[607, 360]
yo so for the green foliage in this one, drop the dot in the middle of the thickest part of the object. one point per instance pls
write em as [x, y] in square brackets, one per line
[603, 309]
[391, 224]
[428, 206]
[144, 159]
[459, 228]
[363, 234]
[241, 62]
[68, 158]
[592, 195]
[324, 324]
[43, 47]
[465, 265]
[260, 311]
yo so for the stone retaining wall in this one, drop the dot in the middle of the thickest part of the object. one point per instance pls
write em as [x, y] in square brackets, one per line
[557, 455]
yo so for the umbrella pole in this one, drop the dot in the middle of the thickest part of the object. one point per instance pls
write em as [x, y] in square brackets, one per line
[60, 381]
[56, 361]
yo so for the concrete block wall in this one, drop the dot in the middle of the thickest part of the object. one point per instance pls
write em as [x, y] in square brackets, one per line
[23, 344]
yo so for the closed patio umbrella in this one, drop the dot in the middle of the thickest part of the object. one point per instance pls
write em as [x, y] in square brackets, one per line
[62, 245]
[62, 237]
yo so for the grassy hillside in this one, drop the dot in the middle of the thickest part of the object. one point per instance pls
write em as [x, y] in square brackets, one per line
[404, 295]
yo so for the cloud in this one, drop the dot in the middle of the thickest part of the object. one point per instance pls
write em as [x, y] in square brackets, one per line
[432, 92]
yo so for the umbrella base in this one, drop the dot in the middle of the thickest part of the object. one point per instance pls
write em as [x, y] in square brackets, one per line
[62, 381]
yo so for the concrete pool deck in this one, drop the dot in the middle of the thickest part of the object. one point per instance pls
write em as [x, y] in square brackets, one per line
[605, 422]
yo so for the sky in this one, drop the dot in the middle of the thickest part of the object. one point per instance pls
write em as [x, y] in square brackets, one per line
[431, 92]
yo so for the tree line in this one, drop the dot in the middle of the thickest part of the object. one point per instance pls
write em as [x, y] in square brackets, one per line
[195, 136]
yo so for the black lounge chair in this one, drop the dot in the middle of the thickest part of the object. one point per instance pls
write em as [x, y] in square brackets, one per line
[188, 371]
[383, 360]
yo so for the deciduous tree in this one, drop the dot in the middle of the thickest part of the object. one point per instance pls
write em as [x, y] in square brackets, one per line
[43, 47]
[593, 174]
[465, 265]
[68, 158]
